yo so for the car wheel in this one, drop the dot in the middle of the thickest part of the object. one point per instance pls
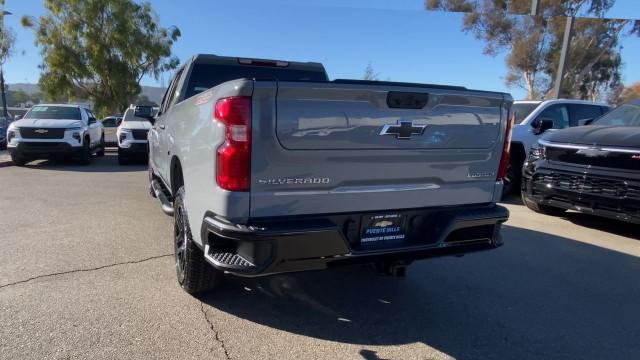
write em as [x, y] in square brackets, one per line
[102, 147]
[18, 160]
[512, 179]
[85, 153]
[542, 209]
[194, 274]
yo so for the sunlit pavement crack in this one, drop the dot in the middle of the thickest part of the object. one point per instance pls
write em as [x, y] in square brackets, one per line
[215, 332]
[84, 270]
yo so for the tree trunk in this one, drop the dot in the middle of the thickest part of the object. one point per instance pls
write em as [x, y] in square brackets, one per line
[4, 96]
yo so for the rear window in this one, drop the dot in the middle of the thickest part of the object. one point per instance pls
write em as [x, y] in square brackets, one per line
[206, 76]
[54, 113]
[522, 110]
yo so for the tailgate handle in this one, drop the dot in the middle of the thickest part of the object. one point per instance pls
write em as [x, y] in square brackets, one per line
[407, 100]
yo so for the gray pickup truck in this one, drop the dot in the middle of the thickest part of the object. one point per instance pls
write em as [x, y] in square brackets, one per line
[268, 167]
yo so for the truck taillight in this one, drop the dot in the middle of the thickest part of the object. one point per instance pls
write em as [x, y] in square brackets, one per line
[506, 149]
[234, 155]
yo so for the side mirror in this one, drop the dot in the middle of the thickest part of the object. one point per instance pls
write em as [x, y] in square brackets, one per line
[118, 122]
[584, 122]
[92, 120]
[541, 125]
[17, 117]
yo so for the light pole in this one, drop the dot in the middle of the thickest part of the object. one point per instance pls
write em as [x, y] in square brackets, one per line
[5, 113]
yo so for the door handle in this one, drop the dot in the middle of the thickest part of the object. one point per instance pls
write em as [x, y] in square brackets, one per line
[161, 126]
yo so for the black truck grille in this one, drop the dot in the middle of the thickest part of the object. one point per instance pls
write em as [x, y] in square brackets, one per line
[140, 134]
[613, 188]
[613, 160]
[42, 133]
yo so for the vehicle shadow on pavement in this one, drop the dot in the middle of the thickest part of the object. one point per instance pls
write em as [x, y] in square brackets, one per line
[538, 296]
[107, 163]
[620, 228]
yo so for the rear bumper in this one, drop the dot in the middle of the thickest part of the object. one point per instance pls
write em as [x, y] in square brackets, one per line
[608, 194]
[34, 148]
[316, 242]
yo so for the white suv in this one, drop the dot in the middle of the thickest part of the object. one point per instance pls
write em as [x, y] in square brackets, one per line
[533, 118]
[50, 129]
[132, 133]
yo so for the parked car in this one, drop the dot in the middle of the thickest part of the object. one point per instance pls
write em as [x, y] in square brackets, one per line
[593, 169]
[269, 167]
[132, 133]
[534, 118]
[4, 124]
[55, 129]
[110, 124]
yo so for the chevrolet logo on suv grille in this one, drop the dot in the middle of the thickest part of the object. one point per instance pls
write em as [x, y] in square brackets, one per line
[403, 130]
[41, 131]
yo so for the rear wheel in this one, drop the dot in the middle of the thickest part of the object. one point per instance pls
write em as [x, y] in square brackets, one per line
[194, 274]
[542, 209]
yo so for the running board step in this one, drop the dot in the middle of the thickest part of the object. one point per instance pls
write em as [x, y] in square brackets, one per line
[228, 260]
[167, 206]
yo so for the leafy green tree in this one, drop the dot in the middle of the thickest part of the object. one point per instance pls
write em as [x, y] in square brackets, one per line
[100, 50]
[19, 97]
[532, 44]
[626, 93]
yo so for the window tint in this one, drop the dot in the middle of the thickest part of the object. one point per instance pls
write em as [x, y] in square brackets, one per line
[625, 115]
[172, 92]
[206, 76]
[54, 113]
[109, 122]
[522, 110]
[558, 113]
[582, 112]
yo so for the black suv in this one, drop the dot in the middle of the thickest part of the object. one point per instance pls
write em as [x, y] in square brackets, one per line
[592, 169]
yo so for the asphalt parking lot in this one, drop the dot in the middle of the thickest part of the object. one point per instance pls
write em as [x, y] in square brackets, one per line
[86, 271]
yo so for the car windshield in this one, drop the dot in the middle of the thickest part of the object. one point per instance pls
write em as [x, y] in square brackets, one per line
[522, 110]
[625, 115]
[205, 76]
[54, 113]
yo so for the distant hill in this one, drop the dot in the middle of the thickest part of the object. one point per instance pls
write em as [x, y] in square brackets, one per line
[154, 93]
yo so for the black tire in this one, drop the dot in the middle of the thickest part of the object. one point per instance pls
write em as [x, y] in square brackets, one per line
[542, 209]
[123, 159]
[194, 274]
[18, 160]
[513, 179]
[103, 146]
[85, 153]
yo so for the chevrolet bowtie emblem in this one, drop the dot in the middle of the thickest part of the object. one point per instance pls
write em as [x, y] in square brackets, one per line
[41, 131]
[404, 129]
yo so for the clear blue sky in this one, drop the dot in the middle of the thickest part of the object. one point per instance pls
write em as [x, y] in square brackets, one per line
[402, 41]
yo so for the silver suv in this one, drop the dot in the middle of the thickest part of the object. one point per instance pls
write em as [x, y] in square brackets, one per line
[67, 130]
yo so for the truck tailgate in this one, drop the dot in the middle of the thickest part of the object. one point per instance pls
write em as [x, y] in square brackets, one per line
[339, 147]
